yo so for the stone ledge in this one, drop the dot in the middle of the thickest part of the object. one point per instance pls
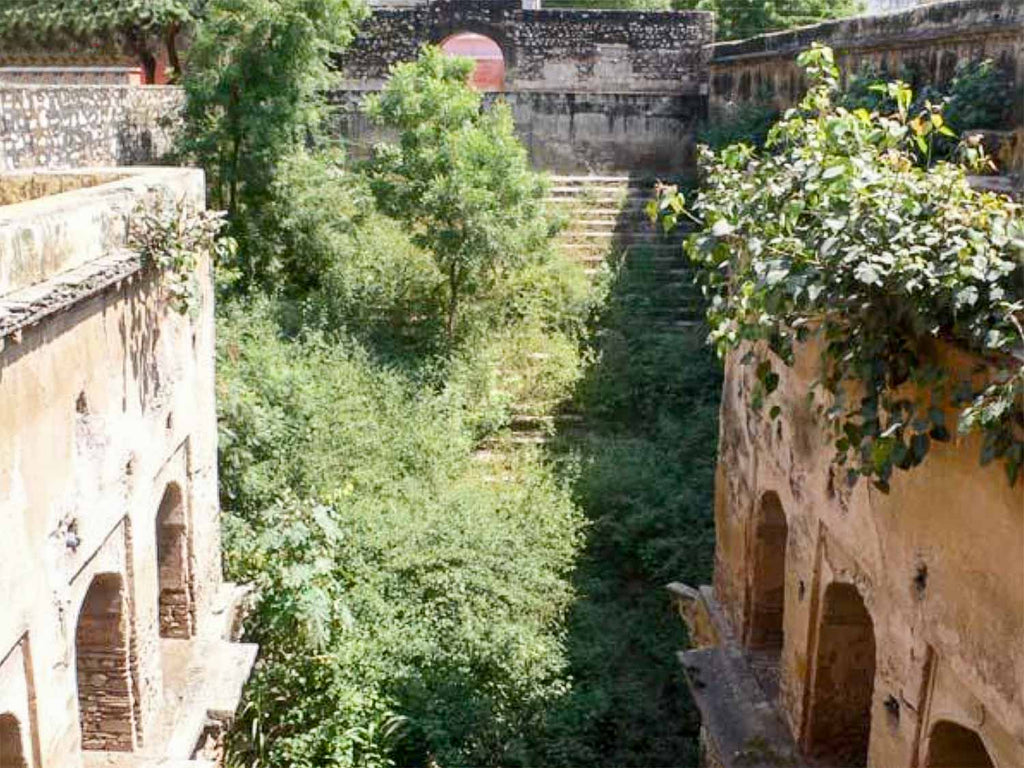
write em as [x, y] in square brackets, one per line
[741, 727]
[203, 681]
[29, 306]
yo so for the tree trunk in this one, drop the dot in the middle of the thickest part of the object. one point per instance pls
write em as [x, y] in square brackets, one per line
[453, 300]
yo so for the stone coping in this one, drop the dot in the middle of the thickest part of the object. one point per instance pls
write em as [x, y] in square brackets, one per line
[46, 236]
[953, 18]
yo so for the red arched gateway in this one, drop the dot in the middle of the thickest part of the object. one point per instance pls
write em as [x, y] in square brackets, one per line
[489, 73]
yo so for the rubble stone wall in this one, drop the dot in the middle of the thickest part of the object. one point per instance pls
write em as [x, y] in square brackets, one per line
[573, 132]
[928, 41]
[550, 50]
[76, 126]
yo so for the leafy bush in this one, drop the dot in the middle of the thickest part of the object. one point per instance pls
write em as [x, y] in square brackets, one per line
[979, 96]
[737, 19]
[255, 83]
[748, 122]
[836, 233]
[410, 610]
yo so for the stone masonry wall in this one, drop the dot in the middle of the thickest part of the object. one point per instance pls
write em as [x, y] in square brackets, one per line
[74, 126]
[550, 50]
[572, 132]
[929, 41]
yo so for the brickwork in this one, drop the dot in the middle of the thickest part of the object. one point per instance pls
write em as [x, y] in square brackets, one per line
[11, 749]
[176, 609]
[104, 668]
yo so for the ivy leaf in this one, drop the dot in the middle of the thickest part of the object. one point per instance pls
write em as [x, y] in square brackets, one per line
[722, 228]
[868, 273]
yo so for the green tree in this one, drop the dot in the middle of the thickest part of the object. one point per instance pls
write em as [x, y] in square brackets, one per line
[737, 19]
[457, 175]
[139, 27]
[255, 85]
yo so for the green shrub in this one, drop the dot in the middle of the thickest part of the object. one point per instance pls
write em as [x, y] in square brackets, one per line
[410, 610]
[748, 122]
[839, 232]
[979, 96]
[457, 176]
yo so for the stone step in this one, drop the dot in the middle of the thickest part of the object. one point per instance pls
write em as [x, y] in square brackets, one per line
[597, 179]
[533, 421]
[558, 194]
[624, 237]
[678, 326]
[668, 272]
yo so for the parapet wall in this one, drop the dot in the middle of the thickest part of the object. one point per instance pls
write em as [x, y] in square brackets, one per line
[929, 41]
[548, 50]
[75, 126]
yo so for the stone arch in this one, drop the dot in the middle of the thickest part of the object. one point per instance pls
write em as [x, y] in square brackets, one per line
[768, 575]
[174, 566]
[839, 722]
[489, 57]
[104, 668]
[953, 746]
[11, 752]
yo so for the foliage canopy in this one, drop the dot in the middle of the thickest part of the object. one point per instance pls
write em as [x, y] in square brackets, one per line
[138, 26]
[844, 232]
[255, 84]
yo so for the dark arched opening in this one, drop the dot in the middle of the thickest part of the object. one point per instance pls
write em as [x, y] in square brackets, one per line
[768, 587]
[489, 70]
[839, 725]
[953, 746]
[176, 617]
[104, 669]
[11, 752]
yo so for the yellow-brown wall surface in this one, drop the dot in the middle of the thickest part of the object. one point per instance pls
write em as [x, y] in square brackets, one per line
[938, 563]
[103, 404]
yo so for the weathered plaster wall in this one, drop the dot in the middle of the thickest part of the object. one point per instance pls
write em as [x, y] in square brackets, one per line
[929, 40]
[573, 132]
[549, 50]
[938, 562]
[73, 126]
[103, 401]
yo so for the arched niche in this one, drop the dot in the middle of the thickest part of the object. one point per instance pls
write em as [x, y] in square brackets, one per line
[768, 576]
[489, 70]
[174, 566]
[839, 722]
[104, 669]
[951, 745]
[11, 747]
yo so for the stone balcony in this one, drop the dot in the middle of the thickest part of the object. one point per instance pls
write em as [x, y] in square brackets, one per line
[734, 689]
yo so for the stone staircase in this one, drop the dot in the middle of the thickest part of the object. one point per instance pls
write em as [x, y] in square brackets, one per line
[608, 226]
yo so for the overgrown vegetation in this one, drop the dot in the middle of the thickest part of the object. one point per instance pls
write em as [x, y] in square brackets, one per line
[420, 601]
[845, 231]
[736, 19]
[255, 84]
[411, 609]
[644, 478]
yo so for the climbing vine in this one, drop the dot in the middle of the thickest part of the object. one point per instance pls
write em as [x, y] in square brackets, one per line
[175, 237]
[844, 231]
